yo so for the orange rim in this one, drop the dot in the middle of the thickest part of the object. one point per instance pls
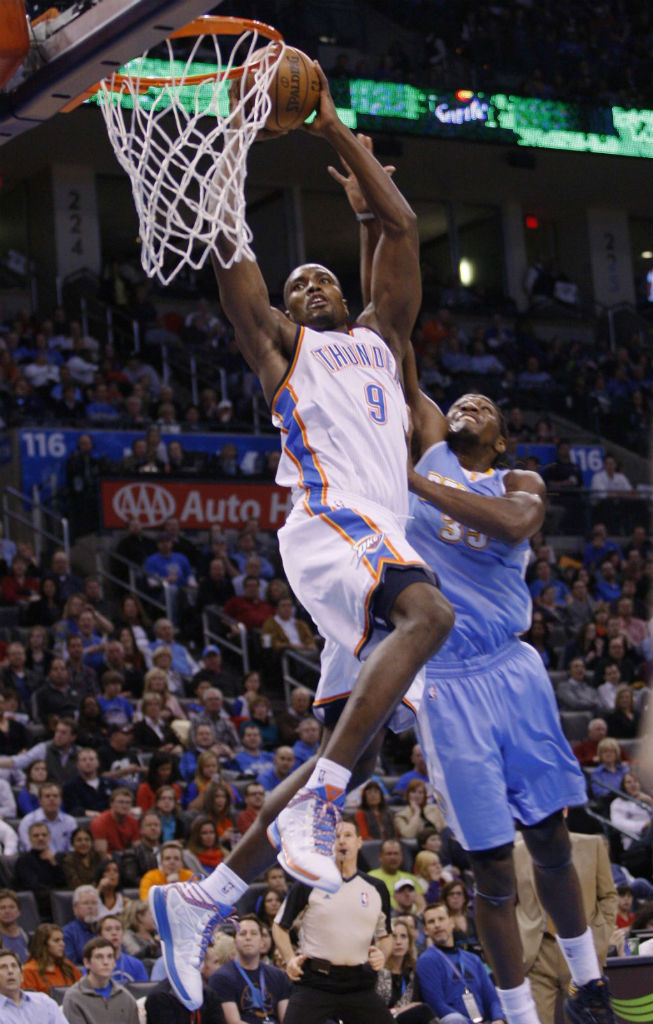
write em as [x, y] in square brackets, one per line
[206, 25]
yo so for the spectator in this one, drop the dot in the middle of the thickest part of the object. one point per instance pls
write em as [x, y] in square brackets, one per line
[117, 828]
[67, 582]
[606, 486]
[172, 870]
[538, 637]
[109, 888]
[127, 968]
[544, 577]
[635, 630]
[587, 750]
[12, 936]
[563, 477]
[13, 734]
[83, 677]
[246, 983]
[606, 582]
[215, 588]
[140, 938]
[418, 771]
[204, 845]
[212, 669]
[431, 876]
[48, 966]
[261, 715]
[60, 825]
[80, 866]
[288, 721]
[119, 758]
[180, 544]
[580, 606]
[173, 825]
[164, 633]
[606, 777]
[249, 609]
[163, 1006]
[599, 547]
[575, 694]
[152, 732]
[116, 710]
[623, 721]
[39, 655]
[38, 869]
[47, 610]
[134, 547]
[162, 678]
[143, 855]
[252, 759]
[282, 766]
[373, 818]
[607, 691]
[17, 677]
[217, 805]
[286, 631]
[456, 899]
[18, 1005]
[167, 564]
[417, 813]
[79, 931]
[618, 654]
[389, 870]
[87, 794]
[254, 797]
[213, 714]
[97, 994]
[309, 740]
[161, 771]
[631, 815]
[56, 698]
[28, 797]
[18, 589]
[445, 973]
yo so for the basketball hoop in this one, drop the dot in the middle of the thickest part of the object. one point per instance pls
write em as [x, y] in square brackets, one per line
[182, 135]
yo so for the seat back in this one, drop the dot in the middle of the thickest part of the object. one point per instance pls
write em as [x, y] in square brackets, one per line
[30, 917]
[61, 902]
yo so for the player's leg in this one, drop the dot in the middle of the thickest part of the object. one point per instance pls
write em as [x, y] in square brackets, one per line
[559, 891]
[420, 619]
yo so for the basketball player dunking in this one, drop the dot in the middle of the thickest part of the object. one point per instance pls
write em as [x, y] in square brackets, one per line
[488, 722]
[336, 396]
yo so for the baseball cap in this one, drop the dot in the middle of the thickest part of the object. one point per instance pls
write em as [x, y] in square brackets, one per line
[121, 728]
[211, 649]
[404, 883]
[225, 404]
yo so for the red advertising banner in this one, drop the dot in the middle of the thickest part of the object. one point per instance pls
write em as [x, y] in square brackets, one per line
[197, 504]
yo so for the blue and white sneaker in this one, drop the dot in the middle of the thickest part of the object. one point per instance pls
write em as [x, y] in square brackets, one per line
[185, 919]
[306, 832]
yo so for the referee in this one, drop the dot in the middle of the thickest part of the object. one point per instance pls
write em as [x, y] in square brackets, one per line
[344, 939]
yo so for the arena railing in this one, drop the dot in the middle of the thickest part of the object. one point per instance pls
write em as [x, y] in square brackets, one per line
[33, 514]
[131, 585]
[234, 637]
[290, 662]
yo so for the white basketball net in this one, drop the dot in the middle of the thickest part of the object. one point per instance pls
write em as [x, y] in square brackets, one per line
[185, 148]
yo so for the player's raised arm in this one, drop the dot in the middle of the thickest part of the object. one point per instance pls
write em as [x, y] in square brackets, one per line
[395, 280]
[429, 424]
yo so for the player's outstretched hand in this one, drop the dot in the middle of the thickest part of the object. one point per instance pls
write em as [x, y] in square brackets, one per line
[349, 181]
[327, 115]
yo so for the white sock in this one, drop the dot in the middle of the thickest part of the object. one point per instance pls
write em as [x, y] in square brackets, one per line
[581, 957]
[328, 773]
[518, 1004]
[224, 886]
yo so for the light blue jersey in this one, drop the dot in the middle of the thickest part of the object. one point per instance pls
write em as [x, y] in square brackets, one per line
[488, 724]
[483, 578]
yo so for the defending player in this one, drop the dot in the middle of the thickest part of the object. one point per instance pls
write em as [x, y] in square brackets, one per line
[488, 721]
[336, 395]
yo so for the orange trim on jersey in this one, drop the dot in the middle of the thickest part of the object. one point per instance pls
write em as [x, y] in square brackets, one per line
[291, 366]
[329, 700]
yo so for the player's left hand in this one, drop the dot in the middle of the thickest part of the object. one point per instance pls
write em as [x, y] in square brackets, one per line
[349, 181]
[327, 115]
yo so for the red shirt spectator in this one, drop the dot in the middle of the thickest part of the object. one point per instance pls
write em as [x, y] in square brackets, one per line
[585, 751]
[18, 587]
[116, 829]
[253, 796]
[249, 608]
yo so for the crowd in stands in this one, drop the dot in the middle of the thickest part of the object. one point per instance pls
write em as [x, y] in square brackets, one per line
[589, 53]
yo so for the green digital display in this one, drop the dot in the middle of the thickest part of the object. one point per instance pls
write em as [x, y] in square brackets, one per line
[372, 106]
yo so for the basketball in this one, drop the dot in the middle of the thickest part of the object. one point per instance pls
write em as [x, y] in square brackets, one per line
[294, 92]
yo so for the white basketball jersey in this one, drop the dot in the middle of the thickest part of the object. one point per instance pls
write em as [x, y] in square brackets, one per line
[342, 415]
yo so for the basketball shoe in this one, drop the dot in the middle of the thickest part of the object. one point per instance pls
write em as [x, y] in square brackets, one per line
[589, 1004]
[185, 919]
[305, 832]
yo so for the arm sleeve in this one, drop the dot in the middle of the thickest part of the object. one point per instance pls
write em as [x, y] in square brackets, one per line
[295, 902]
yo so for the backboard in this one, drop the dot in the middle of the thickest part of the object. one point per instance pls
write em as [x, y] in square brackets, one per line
[86, 43]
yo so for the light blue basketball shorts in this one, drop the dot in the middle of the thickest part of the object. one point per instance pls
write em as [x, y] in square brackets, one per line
[491, 736]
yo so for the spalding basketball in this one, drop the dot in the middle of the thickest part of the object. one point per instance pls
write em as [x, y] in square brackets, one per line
[294, 92]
